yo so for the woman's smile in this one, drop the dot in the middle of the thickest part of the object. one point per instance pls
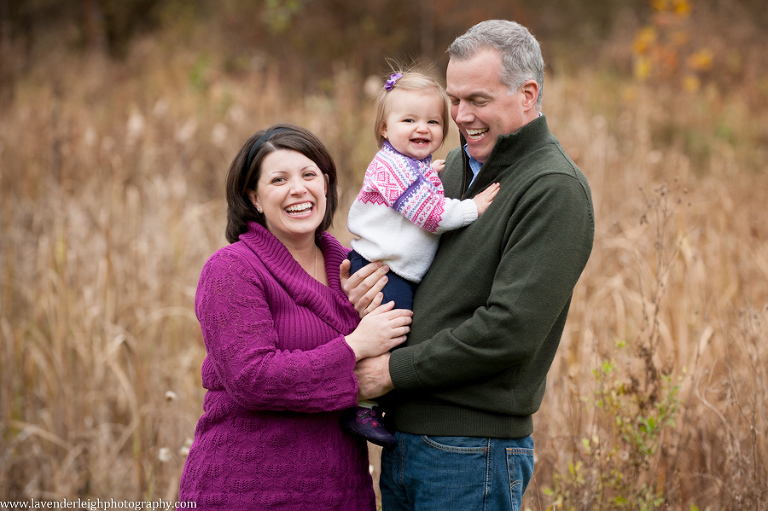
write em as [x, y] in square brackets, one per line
[290, 193]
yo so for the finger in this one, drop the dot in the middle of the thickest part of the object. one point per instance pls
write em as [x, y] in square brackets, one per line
[396, 341]
[399, 322]
[398, 314]
[375, 303]
[344, 268]
[383, 309]
[355, 287]
[374, 283]
[374, 279]
[369, 302]
[388, 308]
[361, 275]
[363, 285]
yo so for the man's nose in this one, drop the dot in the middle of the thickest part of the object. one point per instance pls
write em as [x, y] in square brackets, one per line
[462, 112]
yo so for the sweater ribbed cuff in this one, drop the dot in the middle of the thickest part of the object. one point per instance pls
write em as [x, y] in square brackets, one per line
[469, 209]
[402, 371]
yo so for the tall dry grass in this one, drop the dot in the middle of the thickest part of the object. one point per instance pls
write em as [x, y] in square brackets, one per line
[111, 178]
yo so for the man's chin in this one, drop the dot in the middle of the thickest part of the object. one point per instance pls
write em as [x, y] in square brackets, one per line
[479, 155]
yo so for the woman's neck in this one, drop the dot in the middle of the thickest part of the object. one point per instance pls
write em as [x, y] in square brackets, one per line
[309, 257]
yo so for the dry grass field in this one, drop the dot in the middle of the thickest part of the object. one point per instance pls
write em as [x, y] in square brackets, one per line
[111, 184]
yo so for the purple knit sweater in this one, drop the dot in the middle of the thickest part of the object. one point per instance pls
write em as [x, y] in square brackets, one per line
[278, 374]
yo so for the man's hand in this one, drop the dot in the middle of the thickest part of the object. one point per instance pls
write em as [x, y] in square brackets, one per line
[373, 378]
[363, 288]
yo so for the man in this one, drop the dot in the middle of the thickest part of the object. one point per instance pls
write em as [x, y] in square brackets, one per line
[489, 314]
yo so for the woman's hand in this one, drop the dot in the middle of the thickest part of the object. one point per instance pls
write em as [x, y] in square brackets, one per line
[363, 288]
[380, 331]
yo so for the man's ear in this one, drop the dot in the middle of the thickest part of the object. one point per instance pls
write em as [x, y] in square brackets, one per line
[530, 90]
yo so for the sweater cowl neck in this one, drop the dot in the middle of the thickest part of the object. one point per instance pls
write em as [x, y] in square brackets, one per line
[325, 301]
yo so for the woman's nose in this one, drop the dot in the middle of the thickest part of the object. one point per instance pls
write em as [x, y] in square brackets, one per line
[298, 186]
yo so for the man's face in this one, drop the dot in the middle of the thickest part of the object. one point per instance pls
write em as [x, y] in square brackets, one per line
[481, 105]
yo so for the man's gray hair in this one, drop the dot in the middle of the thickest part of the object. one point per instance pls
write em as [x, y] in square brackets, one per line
[521, 58]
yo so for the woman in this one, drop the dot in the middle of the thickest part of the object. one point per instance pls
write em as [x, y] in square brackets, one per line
[282, 341]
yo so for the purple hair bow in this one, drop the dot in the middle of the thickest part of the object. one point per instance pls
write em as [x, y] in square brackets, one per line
[393, 78]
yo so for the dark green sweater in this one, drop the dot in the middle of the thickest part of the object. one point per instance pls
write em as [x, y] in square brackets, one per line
[489, 314]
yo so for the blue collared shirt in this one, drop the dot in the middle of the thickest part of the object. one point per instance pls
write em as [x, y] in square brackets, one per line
[474, 165]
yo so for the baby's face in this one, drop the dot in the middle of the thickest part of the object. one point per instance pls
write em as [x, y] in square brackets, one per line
[414, 125]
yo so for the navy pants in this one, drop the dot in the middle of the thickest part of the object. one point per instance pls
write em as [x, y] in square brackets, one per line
[396, 290]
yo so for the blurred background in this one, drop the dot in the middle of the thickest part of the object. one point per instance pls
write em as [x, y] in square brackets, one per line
[118, 121]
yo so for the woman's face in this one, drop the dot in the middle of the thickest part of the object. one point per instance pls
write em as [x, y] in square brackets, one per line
[291, 194]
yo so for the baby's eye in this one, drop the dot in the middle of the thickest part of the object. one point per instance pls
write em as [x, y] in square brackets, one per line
[434, 122]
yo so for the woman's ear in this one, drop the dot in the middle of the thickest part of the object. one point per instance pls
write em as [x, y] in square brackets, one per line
[254, 200]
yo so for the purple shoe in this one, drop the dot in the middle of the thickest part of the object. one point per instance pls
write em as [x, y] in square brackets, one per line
[366, 422]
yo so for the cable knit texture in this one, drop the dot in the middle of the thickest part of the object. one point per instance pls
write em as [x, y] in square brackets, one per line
[278, 374]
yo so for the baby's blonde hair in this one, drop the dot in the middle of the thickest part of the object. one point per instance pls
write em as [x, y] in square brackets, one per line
[412, 81]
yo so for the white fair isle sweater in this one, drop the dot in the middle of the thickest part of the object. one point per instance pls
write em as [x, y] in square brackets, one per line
[401, 211]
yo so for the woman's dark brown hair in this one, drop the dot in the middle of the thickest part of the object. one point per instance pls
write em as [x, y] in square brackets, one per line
[245, 170]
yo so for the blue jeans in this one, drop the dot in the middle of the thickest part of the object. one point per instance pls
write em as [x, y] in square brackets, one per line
[396, 290]
[455, 473]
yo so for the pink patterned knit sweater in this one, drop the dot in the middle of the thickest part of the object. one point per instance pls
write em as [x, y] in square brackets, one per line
[401, 211]
[278, 374]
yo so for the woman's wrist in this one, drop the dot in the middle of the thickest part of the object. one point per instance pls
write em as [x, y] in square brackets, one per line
[351, 340]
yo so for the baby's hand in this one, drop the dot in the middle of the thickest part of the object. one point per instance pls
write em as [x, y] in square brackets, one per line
[438, 165]
[484, 198]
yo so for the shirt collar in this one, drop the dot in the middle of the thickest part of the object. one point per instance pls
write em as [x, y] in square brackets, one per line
[474, 165]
